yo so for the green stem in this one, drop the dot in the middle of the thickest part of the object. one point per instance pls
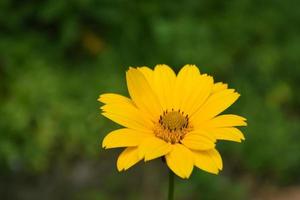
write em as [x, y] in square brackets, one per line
[171, 185]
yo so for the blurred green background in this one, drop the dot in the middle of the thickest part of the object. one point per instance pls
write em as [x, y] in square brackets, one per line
[56, 57]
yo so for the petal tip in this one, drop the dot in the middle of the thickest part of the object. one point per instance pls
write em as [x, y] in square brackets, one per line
[120, 169]
[100, 98]
[146, 159]
[140, 154]
[104, 145]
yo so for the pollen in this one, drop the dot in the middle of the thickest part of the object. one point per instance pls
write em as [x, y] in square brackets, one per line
[172, 126]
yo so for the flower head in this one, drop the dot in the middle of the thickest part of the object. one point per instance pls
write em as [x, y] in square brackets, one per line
[172, 116]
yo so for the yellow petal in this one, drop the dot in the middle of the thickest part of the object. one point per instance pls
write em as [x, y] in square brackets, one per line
[121, 110]
[223, 121]
[148, 73]
[219, 87]
[163, 82]
[153, 147]
[201, 89]
[142, 94]
[180, 161]
[209, 161]
[215, 104]
[111, 98]
[198, 141]
[231, 134]
[215, 155]
[124, 138]
[128, 158]
[185, 84]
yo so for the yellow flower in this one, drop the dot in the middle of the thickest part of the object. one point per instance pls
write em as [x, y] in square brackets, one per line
[175, 117]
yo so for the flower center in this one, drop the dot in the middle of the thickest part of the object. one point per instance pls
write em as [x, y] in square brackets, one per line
[172, 126]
